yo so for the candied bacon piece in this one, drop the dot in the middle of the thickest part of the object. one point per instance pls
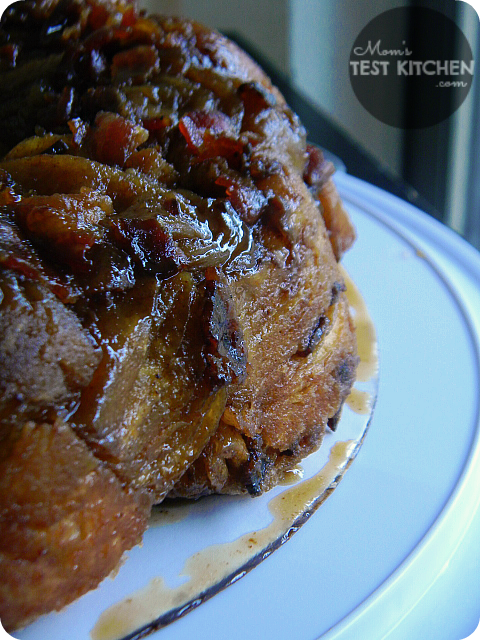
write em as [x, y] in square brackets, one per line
[317, 170]
[113, 138]
[209, 134]
[197, 125]
[255, 97]
[159, 123]
[246, 199]
[136, 64]
[157, 127]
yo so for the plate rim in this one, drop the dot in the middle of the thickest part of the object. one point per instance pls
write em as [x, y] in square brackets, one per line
[443, 528]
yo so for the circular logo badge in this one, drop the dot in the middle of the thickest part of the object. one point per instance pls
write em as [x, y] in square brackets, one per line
[400, 72]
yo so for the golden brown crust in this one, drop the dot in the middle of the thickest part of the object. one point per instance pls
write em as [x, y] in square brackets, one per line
[66, 522]
[290, 416]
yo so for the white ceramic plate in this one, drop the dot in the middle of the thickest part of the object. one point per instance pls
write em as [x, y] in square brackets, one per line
[368, 559]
